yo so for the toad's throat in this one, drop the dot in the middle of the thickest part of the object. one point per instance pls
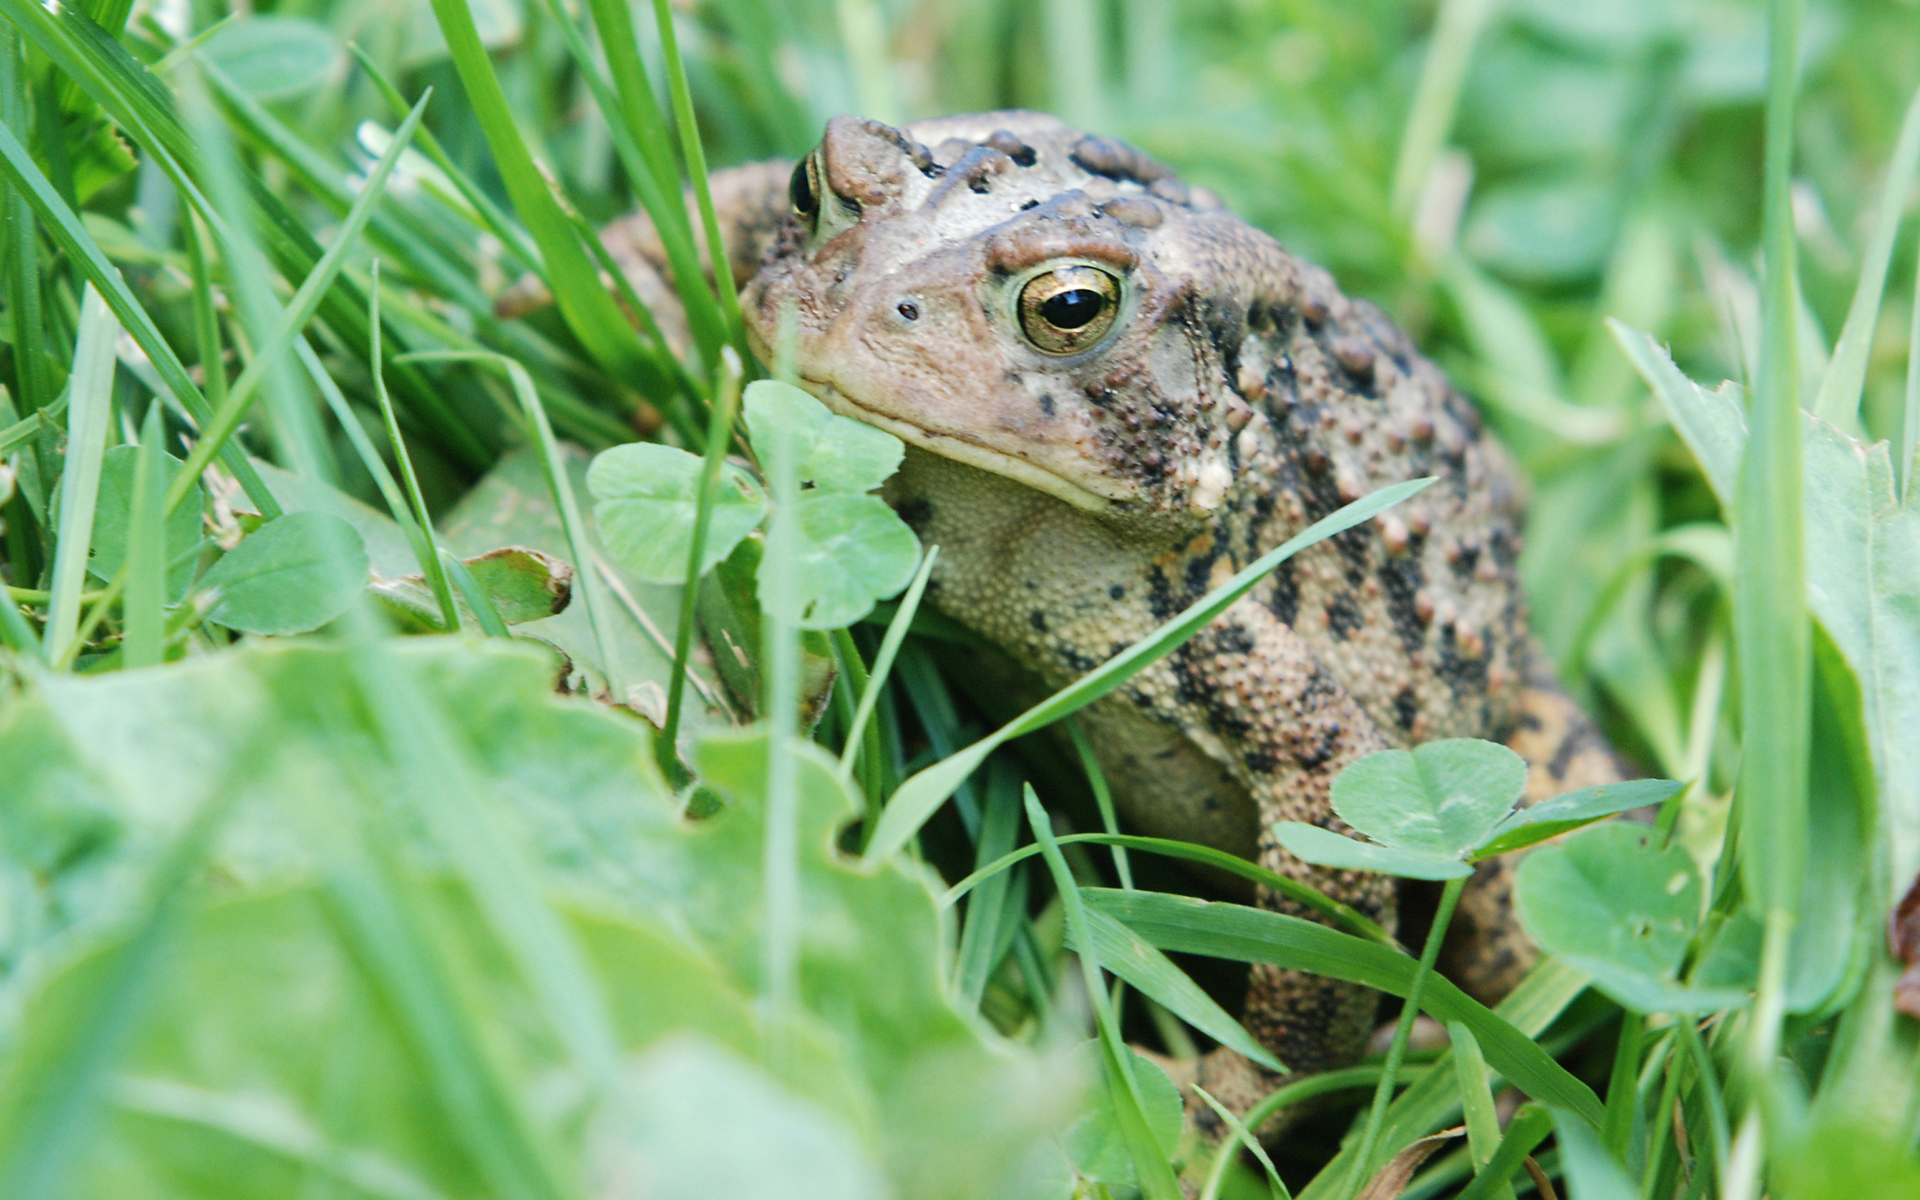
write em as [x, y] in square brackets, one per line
[1097, 495]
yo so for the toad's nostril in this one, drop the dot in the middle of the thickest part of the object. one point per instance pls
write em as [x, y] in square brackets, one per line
[908, 309]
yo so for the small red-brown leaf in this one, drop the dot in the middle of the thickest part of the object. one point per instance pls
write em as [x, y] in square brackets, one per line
[1903, 942]
[1393, 1178]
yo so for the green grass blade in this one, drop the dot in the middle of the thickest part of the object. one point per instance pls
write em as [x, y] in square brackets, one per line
[88, 417]
[719, 430]
[143, 639]
[23, 241]
[27, 181]
[658, 195]
[1430, 117]
[1127, 955]
[920, 795]
[1770, 610]
[1476, 1102]
[476, 596]
[1529, 1127]
[1541, 997]
[1364, 1157]
[382, 916]
[540, 432]
[671, 374]
[363, 447]
[15, 630]
[69, 1077]
[638, 108]
[293, 320]
[883, 661]
[1910, 425]
[780, 651]
[987, 911]
[1839, 398]
[1103, 799]
[498, 223]
[1622, 1110]
[696, 154]
[1335, 912]
[1234, 931]
[428, 551]
[1149, 1160]
[1240, 1135]
[466, 819]
[584, 303]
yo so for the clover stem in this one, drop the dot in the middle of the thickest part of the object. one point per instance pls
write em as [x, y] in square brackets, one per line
[1403, 1032]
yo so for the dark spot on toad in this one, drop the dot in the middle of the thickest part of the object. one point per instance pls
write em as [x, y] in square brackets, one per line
[1039, 620]
[1343, 616]
[916, 512]
[1406, 706]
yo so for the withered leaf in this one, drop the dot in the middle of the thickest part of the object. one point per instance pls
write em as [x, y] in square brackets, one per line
[1903, 942]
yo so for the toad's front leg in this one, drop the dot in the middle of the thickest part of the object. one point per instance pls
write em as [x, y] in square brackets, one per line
[1251, 694]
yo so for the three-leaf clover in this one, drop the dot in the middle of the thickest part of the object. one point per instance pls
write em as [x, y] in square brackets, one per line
[1434, 811]
[852, 549]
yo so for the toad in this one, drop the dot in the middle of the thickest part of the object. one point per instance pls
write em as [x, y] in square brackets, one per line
[1114, 394]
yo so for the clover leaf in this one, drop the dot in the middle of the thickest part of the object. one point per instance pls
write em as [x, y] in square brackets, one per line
[853, 550]
[295, 573]
[850, 548]
[830, 452]
[648, 497]
[1435, 810]
[1613, 903]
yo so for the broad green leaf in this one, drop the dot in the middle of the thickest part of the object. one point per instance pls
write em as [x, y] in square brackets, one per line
[697, 1120]
[1837, 1158]
[1094, 1143]
[106, 767]
[109, 548]
[1235, 931]
[1591, 1173]
[1326, 848]
[275, 57]
[831, 452]
[294, 573]
[1570, 810]
[1441, 799]
[1713, 424]
[521, 584]
[853, 551]
[1612, 903]
[1126, 955]
[648, 495]
[1863, 574]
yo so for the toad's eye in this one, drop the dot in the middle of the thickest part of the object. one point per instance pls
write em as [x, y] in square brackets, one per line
[802, 192]
[1067, 310]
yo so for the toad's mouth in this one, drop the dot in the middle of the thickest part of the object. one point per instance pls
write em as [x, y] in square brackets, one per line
[1103, 497]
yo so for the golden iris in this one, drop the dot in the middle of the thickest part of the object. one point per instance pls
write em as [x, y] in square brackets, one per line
[1069, 309]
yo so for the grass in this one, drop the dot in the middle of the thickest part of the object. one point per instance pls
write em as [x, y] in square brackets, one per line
[313, 198]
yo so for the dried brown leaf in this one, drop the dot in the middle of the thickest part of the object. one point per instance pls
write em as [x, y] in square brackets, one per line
[1393, 1178]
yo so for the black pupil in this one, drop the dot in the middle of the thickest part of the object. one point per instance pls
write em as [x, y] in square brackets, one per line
[800, 190]
[1072, 309]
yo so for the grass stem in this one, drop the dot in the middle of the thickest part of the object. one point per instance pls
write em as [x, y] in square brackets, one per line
[1402, 1033]
[726, 398]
